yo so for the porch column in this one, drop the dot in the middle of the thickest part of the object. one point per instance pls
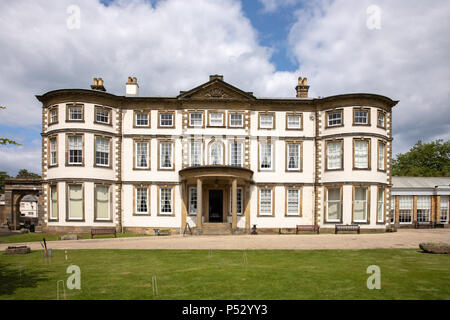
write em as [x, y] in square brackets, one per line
[199, 203]
[184, 201]
[234, 204]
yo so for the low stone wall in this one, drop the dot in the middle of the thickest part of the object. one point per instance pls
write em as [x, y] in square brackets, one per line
[149, 230]
[69, 229]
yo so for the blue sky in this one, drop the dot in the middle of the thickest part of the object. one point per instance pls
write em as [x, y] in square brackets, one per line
[261, 46]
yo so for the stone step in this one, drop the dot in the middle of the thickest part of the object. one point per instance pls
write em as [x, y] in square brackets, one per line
[216, 229]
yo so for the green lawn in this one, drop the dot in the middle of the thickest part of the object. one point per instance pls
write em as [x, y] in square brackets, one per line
[32, 237]
[200, 274]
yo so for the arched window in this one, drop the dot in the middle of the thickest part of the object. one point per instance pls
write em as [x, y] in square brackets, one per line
[216, 153]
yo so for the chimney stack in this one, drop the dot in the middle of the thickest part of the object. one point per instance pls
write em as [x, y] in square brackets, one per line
[98, 85]
[132, 87]
[302, 88]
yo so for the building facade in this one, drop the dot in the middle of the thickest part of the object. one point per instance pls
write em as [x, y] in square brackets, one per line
[214, 154]
[420, 201]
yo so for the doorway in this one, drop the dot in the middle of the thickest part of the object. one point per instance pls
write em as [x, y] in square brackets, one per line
[215, 206]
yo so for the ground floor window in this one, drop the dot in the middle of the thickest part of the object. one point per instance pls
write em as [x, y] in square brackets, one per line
[444, 209]
[141, 196]
[380, 205]
[293, 201]
[166, 205]
[75, 201]
[360, 204]
[102, 203]
[265, 201]
[238, 203]
[192, 200]
[333, 205]
[53, 203]
[423, 208]
[405, 207]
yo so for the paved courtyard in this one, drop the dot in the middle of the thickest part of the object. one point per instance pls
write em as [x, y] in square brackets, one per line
[401, 239]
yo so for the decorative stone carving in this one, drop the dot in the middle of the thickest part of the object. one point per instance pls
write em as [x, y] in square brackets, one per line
[216, 93]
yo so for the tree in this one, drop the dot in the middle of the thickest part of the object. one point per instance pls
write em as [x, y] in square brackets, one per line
[424, 160]
[3, 176]
[4, 141]
[24, 174]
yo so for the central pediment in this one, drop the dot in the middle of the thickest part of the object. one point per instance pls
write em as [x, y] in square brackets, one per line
[216, 88]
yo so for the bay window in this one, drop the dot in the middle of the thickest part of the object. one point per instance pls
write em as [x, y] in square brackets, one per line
[361, 154]
[333, 204]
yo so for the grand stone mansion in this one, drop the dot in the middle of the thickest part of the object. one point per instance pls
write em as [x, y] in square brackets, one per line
[214, 155]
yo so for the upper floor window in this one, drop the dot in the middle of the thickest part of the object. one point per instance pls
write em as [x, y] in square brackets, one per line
[361, 116]
[334, 155]
[216, 153]
[75, 112]
[142, 119]
[102, 146]
[361, 153]
[75, 150]
[381, 119]
[216, 119]
[236, 120]
[294, 121]
[236, 153]
[293, 152]
[142, 154]
[334, 118]
[196, 153]
[166, 155]
[196, 119]
[381, 155]
[166, 120]
[102, 115]
[265, 155]
[53, 151]
[266, 120]
[53, 115]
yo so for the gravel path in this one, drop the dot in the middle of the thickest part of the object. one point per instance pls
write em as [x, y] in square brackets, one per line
[407, 238]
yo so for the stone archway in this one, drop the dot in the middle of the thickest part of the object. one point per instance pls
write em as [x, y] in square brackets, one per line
[15, 190]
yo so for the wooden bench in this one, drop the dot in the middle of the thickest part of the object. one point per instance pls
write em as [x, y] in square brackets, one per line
[424, 224]
[346, 227]
[102, 231]
[307, 228]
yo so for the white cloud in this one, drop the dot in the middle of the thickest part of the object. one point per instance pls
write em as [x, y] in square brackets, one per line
[407, 59]
[272, 5]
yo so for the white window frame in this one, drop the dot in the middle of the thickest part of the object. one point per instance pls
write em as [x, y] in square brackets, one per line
[241, 115]
[220, 156]
[241, 158]
[402, 206]
[332, 157]
[53, 151]
[99, 111]
[261, 213]
[102, 152]
[264, 124]
[147, 120]
[356, 153]
[193, 201]
[338, 120]
[138, 194]
[262, 147]
[53, 115]
[299, 116]
[172, 116]
[365, 202]
[239, 202]
[161, 161]
[211, 116]
[444, 206]
[137, 155]
[381, 205]
[161, 204]
[423, 208]
[52, 215]
[381, 163]
[288, 146]
[358, 116]
[288, 200]
[109, 203]
[71, 113]
[77, 148]
[82, 203]
[191, 124]
[192, 155]
[338, 202]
